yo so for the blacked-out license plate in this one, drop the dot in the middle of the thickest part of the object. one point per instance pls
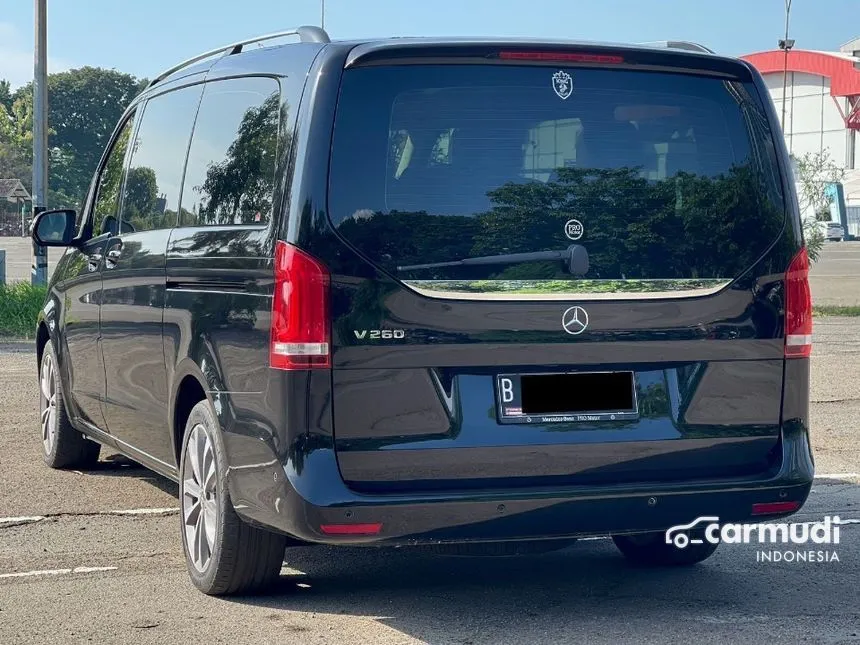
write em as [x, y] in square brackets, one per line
[566, 398]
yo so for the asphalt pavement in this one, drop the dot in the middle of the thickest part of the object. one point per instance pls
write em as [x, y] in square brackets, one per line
[95, 557]
[835, 278]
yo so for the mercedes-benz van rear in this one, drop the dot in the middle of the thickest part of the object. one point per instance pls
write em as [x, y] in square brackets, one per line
[568, 277]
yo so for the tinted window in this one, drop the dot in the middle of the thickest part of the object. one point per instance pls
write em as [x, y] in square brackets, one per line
[110, 179]
[231, 165]
[672, 176]
[154, 178]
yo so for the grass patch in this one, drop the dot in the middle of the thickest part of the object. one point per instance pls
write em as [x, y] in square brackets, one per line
[836, 310]
[20, 303]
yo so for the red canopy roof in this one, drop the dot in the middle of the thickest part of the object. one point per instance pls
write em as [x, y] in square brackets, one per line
[844, 77]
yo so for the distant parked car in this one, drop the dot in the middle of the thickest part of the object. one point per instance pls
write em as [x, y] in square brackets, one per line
[835, 232]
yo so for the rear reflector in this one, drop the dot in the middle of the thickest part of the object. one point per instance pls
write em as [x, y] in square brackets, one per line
[300, 328]
[798, 308]
[562, 56]
[351, 529]
[774, 508]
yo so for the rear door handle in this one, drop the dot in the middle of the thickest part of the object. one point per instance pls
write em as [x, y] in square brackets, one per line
[94, 261]
[113, 257]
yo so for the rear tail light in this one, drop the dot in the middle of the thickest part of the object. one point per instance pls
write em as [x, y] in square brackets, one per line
[569, 57]
[774, 508]
[300, 337]
[798, 308]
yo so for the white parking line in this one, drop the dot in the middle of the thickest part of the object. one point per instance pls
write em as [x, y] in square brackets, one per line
[143, 511]
[56, 572]
[28, 519]
[22, 520]
[838, 476]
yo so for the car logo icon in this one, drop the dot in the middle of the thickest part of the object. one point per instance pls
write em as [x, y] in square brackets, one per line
[574, 320]
[562, 83]
[574, 229]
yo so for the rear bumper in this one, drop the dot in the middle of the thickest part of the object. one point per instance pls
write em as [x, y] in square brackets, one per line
[298, 501]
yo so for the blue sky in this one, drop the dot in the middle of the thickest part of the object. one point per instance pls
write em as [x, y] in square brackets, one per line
[144, 36]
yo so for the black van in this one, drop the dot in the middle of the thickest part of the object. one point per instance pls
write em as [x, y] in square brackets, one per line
[487, 296]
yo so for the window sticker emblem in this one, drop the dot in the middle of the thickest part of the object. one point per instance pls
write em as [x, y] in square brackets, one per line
[562, 83]
[574, 320]
[574, 229]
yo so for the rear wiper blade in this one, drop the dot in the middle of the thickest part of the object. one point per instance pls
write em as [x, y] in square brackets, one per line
[575, 258]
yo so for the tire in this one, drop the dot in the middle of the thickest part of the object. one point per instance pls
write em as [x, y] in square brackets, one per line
[650, 549]
[62, 445]
[224, 554]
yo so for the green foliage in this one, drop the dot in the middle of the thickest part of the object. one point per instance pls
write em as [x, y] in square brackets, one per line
[687, 228]
[535, 286]
[16, 125]
[84, 107]
[814, 238]
[141, 195]
[20, 303]
[836, 310]
[813, 171]
[16, 140]
[15, 163]
[5, 94]
[107, 197]
[238, 188]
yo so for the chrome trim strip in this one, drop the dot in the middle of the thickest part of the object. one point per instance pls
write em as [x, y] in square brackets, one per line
[419, 286]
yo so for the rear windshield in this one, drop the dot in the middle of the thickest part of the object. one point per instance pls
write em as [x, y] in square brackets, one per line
[460, 179]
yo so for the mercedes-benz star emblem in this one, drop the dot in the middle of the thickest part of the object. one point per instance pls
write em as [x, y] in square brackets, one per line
[574, 320]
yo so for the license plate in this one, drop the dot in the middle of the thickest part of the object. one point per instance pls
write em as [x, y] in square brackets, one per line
[567, 397]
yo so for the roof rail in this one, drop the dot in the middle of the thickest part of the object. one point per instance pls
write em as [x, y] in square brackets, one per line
[307, 34]
[681, 44]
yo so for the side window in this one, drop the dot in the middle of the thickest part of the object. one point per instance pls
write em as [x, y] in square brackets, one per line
[154, 177]
[231, 164]
[110, 180]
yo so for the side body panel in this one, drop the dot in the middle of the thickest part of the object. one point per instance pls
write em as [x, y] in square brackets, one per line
[218, 307]
[72, 316]
[131, 313]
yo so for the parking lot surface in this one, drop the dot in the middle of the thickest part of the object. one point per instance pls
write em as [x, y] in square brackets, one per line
[835, 278]
[95, 556]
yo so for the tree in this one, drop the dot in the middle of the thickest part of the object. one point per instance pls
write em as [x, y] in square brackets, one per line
[141, 195]
[239, 188]
[84, 107]
[5, 94]
[690, 229]
[14, 165]
[813, 172]
[16, 140]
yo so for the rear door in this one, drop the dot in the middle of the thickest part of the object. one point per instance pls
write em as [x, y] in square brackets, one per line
[564, 272]
[132, 309]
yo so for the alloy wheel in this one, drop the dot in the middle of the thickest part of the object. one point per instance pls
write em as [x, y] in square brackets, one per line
[48, 403]
[200, 497]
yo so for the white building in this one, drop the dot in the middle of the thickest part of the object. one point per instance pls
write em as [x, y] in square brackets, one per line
[822, 104]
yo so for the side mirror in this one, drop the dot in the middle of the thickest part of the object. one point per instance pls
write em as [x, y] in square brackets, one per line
[54, 228]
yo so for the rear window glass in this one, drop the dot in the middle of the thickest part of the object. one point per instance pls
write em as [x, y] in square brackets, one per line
[481, 178]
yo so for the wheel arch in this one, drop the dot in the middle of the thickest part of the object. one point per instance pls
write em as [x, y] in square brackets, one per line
[190, 387]
[42, 338]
